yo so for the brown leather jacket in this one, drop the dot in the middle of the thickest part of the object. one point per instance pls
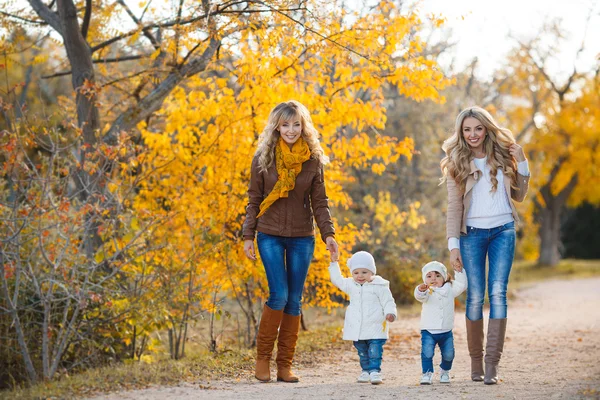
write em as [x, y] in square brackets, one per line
[291, 216]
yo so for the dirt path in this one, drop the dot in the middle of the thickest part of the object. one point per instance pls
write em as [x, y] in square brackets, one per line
[552, 351]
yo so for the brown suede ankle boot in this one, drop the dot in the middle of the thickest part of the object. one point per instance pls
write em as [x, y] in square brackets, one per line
[475, 345]
[286, 347]
[493, 350]
[265, 341]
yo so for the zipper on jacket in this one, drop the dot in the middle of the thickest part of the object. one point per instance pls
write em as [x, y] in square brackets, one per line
[361, 312]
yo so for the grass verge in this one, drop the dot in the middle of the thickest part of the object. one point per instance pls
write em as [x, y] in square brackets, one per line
[527, 272]
[313, 346]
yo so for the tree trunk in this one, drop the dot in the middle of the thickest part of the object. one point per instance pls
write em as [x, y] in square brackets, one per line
[133, 342]
[549, 215]
[185, 329]
[549, 236]
[171, 349]
[88, 118]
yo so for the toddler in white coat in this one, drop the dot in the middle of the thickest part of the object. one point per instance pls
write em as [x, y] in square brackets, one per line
[371, 309]
[437, 294]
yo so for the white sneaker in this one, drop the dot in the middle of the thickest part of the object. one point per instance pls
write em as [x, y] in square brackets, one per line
[376, 378]
[427, 378]
[445, 376]
[364, 377]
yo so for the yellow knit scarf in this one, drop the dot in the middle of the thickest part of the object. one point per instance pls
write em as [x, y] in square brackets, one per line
[289, 164]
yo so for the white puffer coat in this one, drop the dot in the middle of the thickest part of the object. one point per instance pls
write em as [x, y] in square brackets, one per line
[438, 303]
[369, 304]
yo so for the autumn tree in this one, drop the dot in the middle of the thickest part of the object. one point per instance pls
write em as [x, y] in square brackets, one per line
[558, 121]
[168, 107]
[206, 148]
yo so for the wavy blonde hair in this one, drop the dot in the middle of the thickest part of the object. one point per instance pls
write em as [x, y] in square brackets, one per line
[269, 137]
[496, 146]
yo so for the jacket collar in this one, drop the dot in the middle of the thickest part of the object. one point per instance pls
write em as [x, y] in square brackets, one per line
[473, 168]
[444, 290]
[474, 175]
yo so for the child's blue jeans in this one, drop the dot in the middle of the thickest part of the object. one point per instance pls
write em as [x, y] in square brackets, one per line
[370, 352]
[428, 341]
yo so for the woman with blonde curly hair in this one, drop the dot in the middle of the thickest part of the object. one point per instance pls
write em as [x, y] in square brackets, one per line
[286, 193]
[484, 169]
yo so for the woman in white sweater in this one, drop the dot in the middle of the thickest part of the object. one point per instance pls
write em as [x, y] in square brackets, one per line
[485, 170]
[437, 294]
[371, 309]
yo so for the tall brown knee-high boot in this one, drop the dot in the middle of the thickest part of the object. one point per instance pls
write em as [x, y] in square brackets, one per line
[493, 349]
[265, 340]
[286, 347]
[475, 345]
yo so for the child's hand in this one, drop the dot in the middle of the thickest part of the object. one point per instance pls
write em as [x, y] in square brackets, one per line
[423, 287]
[390, 317]
[332, 246]
[334, 256]
[456, 260]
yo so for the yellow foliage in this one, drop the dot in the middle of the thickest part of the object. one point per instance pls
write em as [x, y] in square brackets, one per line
[563, 146]
[210, 132]
[178, 239]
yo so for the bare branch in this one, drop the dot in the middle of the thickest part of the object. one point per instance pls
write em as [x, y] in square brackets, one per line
[145, 9]
[188, 21]
[98, 61]
[561, 92]
[47, 15]
[153, 101]
[124, 78]
[146, 31]
[30, 21]
[314, 31]
[86, 18]
[17, 324]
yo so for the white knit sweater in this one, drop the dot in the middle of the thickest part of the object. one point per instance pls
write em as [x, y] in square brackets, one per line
[489, 209]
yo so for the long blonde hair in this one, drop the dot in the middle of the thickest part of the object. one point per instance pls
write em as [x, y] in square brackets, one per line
[269, 137]
[496, 146]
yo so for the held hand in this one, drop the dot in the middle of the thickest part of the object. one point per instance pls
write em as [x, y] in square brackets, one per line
[249, 249]
[517, 152]
[390, 318]
[423, 287]
[456, 260]
[332, 247]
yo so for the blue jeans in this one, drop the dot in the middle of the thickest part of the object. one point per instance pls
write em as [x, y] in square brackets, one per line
[446, 343]
[370, 352]
[286, 261]
[499, 246]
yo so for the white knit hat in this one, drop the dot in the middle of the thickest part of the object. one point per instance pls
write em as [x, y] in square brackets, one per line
[435, 266]
[362, 259]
